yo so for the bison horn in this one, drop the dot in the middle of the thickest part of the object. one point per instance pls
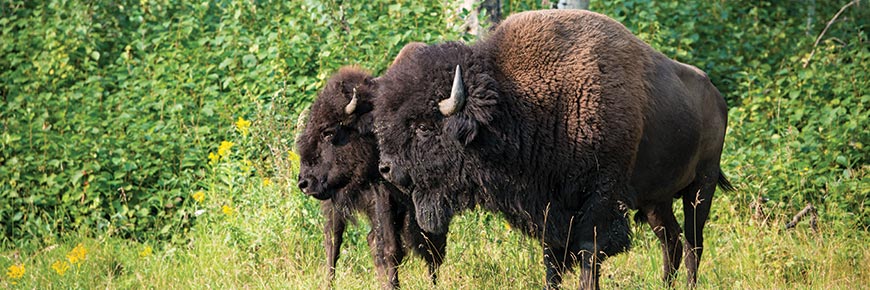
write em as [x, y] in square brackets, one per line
[457, 96]
[300, 125]
[352, 105]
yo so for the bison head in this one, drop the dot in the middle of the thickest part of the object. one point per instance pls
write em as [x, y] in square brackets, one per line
[337, 148]
[430, 114]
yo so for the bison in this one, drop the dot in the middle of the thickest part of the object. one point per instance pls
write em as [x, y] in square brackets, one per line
[339, 161]
[562, 120]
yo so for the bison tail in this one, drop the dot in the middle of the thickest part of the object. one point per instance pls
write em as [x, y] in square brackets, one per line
[723, 182]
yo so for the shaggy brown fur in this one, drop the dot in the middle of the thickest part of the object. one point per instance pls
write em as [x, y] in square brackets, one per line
[339, 166]
[569, 119]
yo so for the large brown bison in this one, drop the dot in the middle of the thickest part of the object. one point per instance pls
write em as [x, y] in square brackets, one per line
[339, 157]
[561, 120]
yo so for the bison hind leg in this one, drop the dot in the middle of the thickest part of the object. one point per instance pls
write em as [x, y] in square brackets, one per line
[557, 261]
[697, 200]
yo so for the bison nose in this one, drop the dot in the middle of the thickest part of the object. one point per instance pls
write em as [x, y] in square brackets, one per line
[304, 183]
[394, 174]
[384, 169]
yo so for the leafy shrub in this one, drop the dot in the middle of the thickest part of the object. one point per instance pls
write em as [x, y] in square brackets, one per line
[110, 108]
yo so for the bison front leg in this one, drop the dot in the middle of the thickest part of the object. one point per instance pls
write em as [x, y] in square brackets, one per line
[591, 265]
[603, 231]
[662, 221]
[388, 279]
[385, 240]
[557, 261]
[432, 247]
[333, 231]
[434, 256]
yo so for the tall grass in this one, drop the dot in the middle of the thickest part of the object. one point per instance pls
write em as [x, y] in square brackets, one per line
[273, 240]
[271, 237]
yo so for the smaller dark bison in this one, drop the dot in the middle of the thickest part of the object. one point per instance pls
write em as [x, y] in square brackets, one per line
[561, 120]
[339, 157]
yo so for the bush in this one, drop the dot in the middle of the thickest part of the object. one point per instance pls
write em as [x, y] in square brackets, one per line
[110, 109]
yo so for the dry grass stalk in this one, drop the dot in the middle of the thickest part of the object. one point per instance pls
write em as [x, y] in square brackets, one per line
[808, 210]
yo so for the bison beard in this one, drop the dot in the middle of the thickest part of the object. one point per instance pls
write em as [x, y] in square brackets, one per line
[560, 120]
[433, 212]
[339, 166]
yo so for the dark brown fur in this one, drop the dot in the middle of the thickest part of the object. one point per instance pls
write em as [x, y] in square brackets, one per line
[339, 166]
[570, 119]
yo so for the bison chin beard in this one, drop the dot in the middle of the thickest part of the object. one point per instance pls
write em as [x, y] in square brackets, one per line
[433, 212]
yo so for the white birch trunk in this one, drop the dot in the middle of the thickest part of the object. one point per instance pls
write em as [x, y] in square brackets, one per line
[472, 23]
[573, 4]
[472, 26]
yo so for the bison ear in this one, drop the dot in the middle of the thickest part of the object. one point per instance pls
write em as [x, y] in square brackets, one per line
[462, 127]
[364, 93]
[365, 124]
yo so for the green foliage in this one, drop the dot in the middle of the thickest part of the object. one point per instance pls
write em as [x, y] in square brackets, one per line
[110, 108]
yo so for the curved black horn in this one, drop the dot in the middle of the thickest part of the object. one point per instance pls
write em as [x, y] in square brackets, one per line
[457, 96]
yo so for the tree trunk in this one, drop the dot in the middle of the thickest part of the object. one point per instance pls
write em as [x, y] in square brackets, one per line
[573, 4]
[493, 10]
[472, 24]
[811, 13]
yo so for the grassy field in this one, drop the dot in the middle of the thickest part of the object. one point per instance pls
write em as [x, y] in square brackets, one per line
[275, 242]
[148, 144]
[271, 238]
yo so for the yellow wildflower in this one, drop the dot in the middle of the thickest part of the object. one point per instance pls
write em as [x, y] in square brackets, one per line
[78, 254]
[15, 272]
[144, 253]
[60, 267]
[243, 126]
[227, 210]
[294, 161]
[267, 181]
[213, 158]
[246, 166]
[293, 156]
[199, 196]
[224, 149]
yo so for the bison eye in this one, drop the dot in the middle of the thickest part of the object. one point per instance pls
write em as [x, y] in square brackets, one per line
[328, 134]
[423, 128]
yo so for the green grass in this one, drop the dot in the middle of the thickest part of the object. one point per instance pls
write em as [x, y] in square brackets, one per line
[274, 241]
